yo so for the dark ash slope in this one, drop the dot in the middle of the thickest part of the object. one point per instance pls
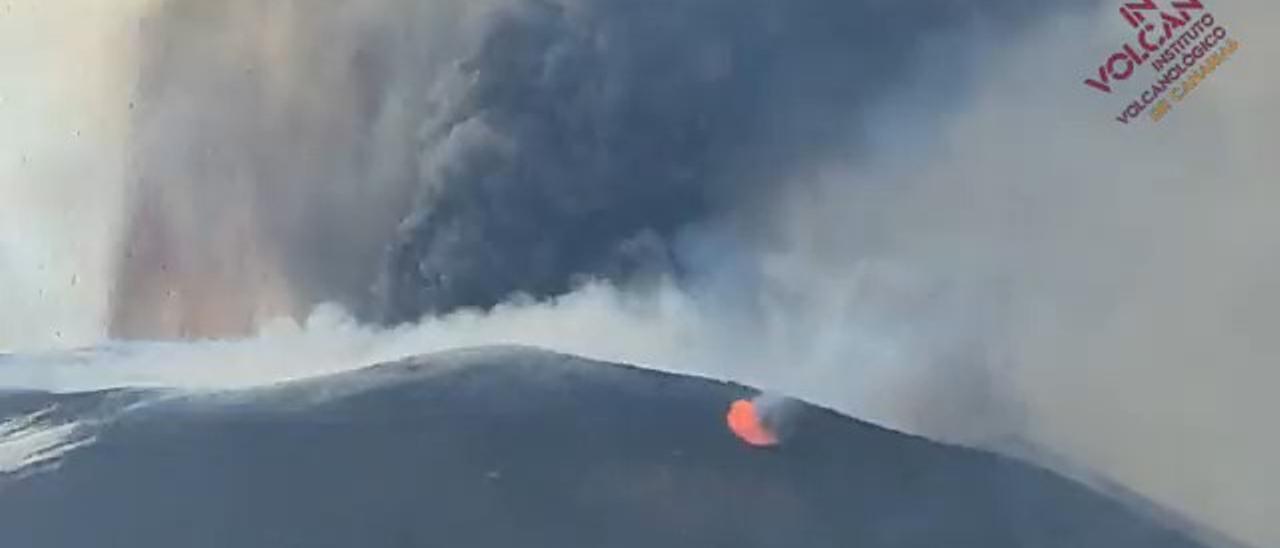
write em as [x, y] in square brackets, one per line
[503, 448]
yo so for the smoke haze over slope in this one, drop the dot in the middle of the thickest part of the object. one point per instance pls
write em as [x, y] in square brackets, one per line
[911, 211]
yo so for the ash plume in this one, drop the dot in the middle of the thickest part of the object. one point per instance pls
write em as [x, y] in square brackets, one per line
[568, 140]
[584, 137]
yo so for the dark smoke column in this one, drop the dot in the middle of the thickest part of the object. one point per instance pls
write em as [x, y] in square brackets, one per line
[583, 136]
[572, 148]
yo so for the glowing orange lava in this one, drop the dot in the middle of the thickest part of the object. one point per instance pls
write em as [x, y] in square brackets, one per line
[745, 423]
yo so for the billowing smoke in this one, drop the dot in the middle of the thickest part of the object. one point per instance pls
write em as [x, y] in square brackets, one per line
[911, 211]
[567, 140]
[583, 137]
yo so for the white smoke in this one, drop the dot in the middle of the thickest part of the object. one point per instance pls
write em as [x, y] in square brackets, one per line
[1116, 283]
[1022, 267]
[65, 77]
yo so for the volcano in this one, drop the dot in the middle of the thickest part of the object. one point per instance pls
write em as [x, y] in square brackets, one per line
[509, 447]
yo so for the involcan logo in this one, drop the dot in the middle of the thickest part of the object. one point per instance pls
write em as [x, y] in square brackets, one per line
[1180, 40]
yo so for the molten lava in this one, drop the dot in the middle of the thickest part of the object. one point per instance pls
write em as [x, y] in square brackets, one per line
[745, 422]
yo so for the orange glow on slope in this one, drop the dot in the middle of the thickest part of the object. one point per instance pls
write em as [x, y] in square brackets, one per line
[745, 423]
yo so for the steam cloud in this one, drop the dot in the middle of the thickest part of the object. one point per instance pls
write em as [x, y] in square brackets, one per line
[911, 211]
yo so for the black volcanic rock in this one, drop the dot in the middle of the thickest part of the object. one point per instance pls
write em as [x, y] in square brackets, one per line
[515, 448]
